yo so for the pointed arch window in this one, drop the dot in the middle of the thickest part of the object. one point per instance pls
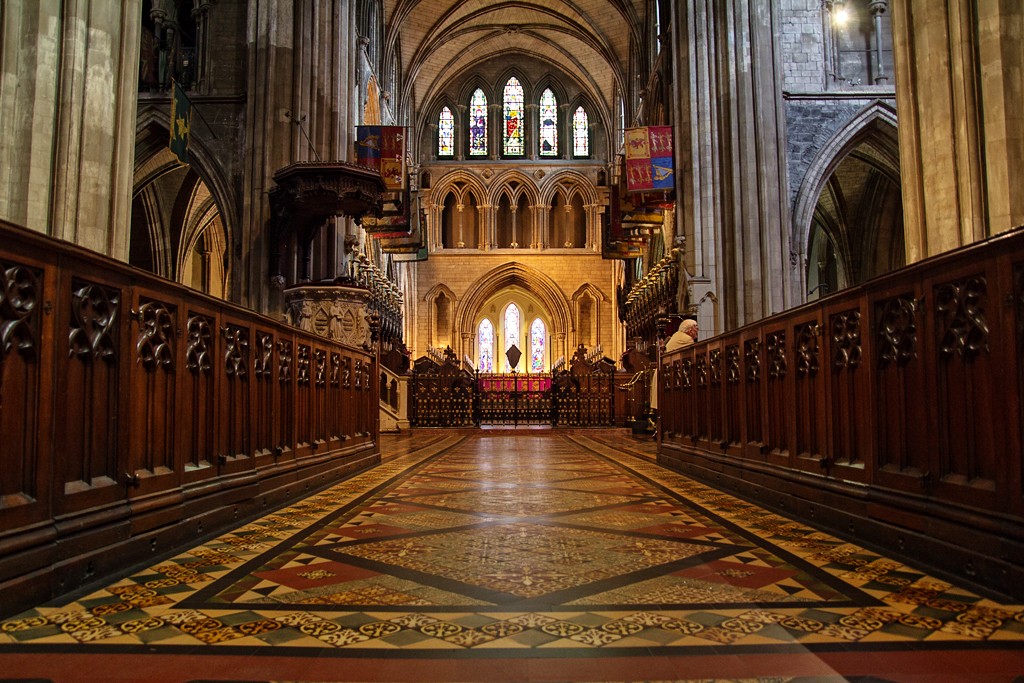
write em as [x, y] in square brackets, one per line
[548, 124]
[478, 123]
[580, 133]
[485, 342]
[513, 110]
[538, 345]
[511, 331]
[446, 133]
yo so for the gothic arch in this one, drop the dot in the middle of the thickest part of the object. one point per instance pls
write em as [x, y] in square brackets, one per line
[874, 125]
[434, 333]
[514, 274]
[151, 133]
[567, 183]
[583, 319]
[501, 184]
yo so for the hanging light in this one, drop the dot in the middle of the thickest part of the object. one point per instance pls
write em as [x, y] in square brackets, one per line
[841, 14]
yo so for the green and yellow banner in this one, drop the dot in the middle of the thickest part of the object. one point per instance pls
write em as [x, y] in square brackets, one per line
[181, 121]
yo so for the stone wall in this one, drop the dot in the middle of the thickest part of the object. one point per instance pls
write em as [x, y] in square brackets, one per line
[466, 275]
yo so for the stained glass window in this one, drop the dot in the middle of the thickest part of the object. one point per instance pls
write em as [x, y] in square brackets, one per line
[548, 124]
[511, 331]
[580, 133]
[446, 133]
[538, 341]
[485, 342]
[478, 123]
[513, 116]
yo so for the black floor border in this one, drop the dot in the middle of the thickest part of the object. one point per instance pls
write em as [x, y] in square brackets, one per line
[517, 653]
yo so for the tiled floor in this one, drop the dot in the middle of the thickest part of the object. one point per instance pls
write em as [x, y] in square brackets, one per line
[545, 556]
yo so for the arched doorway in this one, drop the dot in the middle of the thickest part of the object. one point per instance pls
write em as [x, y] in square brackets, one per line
[850, 209]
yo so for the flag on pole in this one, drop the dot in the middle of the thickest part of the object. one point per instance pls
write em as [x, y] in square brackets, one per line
[649, 164]
[181, 121]
[383, 148]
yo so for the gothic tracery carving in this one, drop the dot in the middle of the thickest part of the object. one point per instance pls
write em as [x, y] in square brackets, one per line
[284, 362]
[320, 368]
[806, 350]
[897, 331]
[236, 352]
[335, 369]
[156, 332]
[93, 318]
[264, 361]
[961, 308]
[846, 340]
[732, 364]
[302, 366]
[775, 345]
[19, 289]
[715, 367]
[198, 352]
[752, 355]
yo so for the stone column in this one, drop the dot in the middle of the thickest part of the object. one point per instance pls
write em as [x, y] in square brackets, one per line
[68, 99]
[959, 95]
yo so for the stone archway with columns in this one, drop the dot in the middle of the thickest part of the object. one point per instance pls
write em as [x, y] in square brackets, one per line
[514, 274]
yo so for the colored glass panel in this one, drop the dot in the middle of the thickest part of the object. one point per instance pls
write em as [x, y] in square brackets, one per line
[514, 104]
[478, 123]
[511, 331]
[580, 133]
[538, 343]
[446, 133]
[485, 342]
[548, 124]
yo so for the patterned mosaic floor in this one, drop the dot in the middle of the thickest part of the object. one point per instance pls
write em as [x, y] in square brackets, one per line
[570, 545]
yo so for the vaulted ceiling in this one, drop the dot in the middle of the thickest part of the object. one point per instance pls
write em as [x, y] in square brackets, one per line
[588, 39]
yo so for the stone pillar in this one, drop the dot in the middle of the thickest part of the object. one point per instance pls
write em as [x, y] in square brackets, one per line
[68, 98]
[960, 98]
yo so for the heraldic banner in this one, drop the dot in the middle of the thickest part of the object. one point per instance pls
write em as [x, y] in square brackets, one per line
[383, 148]
[649, 165]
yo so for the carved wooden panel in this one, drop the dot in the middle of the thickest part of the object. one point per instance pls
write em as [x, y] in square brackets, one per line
[199, 394]
[700, 396]
[966, 405]
[716, 429]
[845, 338]
[303, 399]
[319, 398]
[900, 412]
[236, 397]
[733, 394]
[264, 415]
[152, 410]
[688, 397]
[775, 348]
[286, 404]
[89, 436]
[752, 360]
[334, 410]
[808, 401]
[21, 291]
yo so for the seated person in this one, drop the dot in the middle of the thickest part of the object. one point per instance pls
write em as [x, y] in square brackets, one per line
[684, 336]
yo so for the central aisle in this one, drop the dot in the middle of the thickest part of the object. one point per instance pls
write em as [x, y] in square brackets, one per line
[544, 545]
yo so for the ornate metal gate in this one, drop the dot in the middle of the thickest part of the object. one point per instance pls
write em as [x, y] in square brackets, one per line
[446, 393]
[514, 399]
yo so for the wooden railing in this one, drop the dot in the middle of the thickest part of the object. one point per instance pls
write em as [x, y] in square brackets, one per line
[133, 410]
[891, 409]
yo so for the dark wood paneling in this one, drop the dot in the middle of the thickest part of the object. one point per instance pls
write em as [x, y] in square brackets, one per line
[131, 406]
[906, 392]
